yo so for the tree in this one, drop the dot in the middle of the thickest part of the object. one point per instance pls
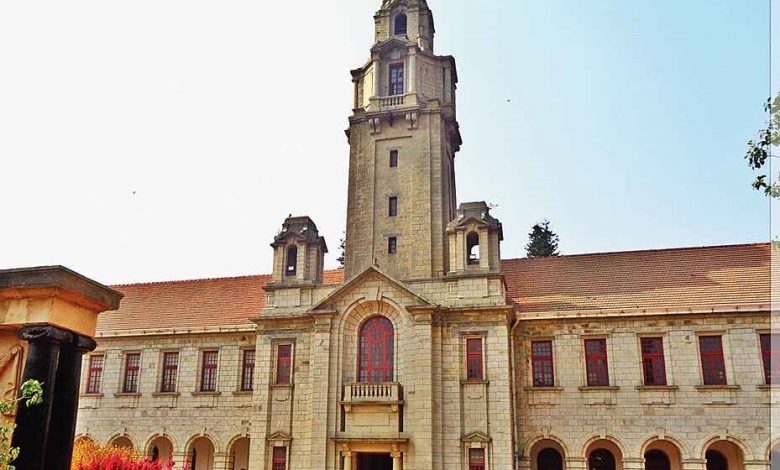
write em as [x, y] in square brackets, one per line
[760, 151]
[542, 241]
[31, 393]
[342, 249]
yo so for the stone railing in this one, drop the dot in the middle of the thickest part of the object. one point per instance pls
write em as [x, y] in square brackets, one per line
[390, 102]
[387, 392]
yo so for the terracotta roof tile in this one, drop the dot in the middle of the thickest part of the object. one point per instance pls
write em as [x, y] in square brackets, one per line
[201, 303]
[673, 278]
[670, 278]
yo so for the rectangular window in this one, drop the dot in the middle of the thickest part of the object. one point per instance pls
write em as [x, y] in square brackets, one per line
[393, 206]
[393, 158]
[653, 363]
[396, 79]
[474, 359]
[542, 363]
[208, 372]
[392, 245]
[132, 371]
[95, 374]
[283, 363]
[248, 370]
[279, 461]
[476, 459]
[713, 367]
[596, 362]
[770, 355]
[169, 372]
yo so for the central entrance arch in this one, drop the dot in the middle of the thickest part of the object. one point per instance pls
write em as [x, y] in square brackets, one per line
[374, 462]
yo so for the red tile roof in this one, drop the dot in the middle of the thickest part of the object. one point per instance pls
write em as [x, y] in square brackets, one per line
[672, 278]
[682, 278]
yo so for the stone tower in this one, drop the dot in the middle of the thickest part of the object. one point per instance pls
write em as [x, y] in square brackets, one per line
[403, 136]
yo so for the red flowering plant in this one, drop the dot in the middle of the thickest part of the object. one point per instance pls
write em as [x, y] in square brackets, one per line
[89, 455]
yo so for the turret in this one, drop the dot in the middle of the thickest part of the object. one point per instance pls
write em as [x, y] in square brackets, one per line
[474, 240]
[299, 253]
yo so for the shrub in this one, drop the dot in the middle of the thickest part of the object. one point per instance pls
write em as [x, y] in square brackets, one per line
[89, 455]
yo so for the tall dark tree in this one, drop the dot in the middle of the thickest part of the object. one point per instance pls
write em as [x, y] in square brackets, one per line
[342, 248]
[542, 241]
[760, 151]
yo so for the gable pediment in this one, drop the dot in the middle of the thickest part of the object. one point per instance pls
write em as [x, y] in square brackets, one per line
[476, 436]
[366, 282]
[389, 45]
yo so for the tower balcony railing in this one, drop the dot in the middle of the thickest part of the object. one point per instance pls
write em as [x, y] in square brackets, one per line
[384, 103]
[374, 393]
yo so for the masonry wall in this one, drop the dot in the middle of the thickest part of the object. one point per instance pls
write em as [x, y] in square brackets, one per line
[630, 415]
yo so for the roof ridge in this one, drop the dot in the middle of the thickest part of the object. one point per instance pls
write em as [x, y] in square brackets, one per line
[204, 279]
[647, 250]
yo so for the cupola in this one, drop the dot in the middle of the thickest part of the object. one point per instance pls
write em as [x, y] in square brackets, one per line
[474, 240]
[299, 252]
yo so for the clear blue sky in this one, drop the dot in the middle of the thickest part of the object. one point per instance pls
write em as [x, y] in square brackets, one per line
[624, 123]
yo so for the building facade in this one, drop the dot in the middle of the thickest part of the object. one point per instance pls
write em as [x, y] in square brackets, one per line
[428, 351]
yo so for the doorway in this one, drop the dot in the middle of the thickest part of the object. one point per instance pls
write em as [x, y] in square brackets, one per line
[374, 462]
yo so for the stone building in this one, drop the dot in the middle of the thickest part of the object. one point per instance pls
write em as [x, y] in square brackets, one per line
[430, 351]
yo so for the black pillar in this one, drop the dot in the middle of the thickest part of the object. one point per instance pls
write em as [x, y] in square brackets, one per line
[62, 430]
[33, 423]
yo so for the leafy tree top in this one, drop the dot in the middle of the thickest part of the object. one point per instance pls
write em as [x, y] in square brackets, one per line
[760, 151]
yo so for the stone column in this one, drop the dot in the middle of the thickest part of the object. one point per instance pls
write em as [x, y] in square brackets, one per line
[576, 463]
[33, 423]
[412, 73]
[377, 78]
[319, 360]
[694, 464]
[221, 461]
[347, 460]
[66, 402]
[633, 464]
[397, 459]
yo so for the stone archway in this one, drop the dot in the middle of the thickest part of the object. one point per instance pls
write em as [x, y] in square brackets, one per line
[724, 455]
[662, 453]
[122, 442]
[604, 454]
[547, 454]
[200, 454]
[239, 454]
[160, 448]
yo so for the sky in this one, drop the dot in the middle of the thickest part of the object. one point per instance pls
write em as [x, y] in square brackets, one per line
[168, 139]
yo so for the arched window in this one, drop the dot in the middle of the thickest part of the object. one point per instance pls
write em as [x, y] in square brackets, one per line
[472, 247]
[292, 261]
[549, 459]
[657, 460]
[400, 25]
[716, 460]
[601, 459]
[376, 351]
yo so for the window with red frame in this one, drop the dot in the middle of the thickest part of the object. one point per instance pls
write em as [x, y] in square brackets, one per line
[542, 363]
[653, 363]
[95, 374]
[169, 372]
[474, 368]
[770, 354]
[596, 364]
[377, 343]
[248, 370]
[283, 364]
[476, 459]
[132, 371]
[713, 367]
[208, 372]
[279, 460]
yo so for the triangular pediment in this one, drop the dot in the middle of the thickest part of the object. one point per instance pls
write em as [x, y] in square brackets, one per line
[466, 222]
[475, 436]
[279, 436]
[392, 43]
[369, 274]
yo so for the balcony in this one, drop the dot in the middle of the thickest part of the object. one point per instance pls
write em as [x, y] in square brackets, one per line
[384, 103]
[388, 393]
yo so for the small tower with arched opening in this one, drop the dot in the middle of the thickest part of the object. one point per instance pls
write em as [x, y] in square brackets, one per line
[299, 253]
[474, 240]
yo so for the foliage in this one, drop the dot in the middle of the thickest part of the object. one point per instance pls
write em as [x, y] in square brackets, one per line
[31, 393]
[89, 455]
[542, 241]
[760, 151]
[342, 249]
